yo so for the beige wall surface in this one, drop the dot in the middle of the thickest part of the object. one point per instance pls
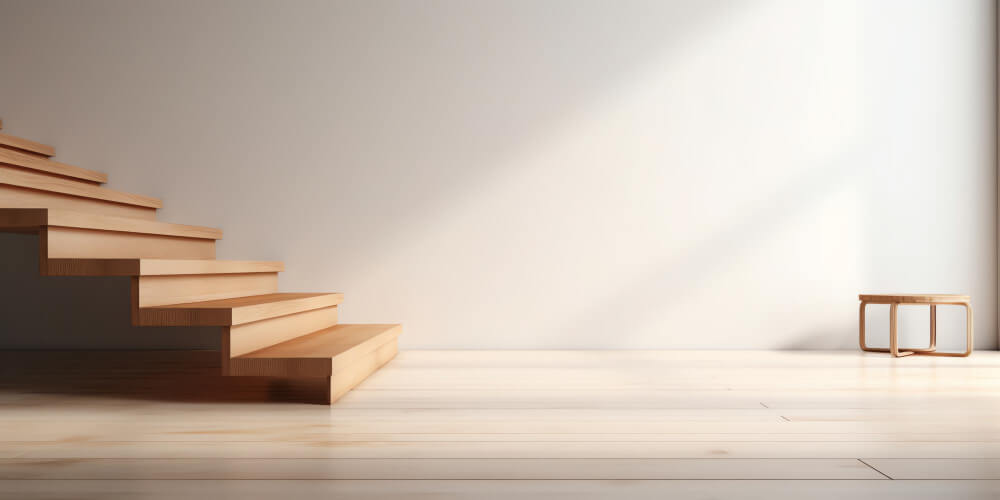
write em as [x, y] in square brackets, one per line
[537, 174]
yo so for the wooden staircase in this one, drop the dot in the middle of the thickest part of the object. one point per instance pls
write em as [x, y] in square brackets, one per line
[85, 229]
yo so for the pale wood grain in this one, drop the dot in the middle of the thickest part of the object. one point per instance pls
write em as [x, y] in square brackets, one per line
[542, 414]
[668, 416]
[333, 428]
[654, 398]
[509, 449]
[310, 469]
[938, 468]
[504, 489]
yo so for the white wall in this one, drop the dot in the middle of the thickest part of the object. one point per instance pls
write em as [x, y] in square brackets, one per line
[541, 174]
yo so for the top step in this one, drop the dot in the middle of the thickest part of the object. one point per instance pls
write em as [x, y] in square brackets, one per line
[12, 158]
[19, 152]
[30, 147]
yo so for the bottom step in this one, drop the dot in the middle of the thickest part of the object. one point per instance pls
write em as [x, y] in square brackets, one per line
[346, 354]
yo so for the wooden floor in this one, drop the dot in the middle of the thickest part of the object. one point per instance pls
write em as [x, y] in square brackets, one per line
[539, 424]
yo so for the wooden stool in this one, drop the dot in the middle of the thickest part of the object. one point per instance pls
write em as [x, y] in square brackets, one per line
[932, 300]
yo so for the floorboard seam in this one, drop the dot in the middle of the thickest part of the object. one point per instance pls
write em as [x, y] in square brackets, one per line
[876, 470]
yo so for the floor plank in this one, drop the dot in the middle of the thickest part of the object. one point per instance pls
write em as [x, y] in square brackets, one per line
[938, 468]
[499, 449]
[476, 468]
[527, 424]
[502, 490]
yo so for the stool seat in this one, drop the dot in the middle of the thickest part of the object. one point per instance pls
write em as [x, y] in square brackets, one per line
[915, 298]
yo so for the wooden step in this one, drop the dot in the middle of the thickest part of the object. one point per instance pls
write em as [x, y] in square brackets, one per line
[14, 159]
[29, 218]
[165, 282]
[319, 354]
[236, 311]
[67, 234]
[24, 189]
[68, 243]
[238, 340]
[346, 353]
[24, 145]
[164, 290]
[160, 267]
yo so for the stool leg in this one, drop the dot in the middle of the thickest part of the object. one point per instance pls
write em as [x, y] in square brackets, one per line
[933, 345]
[862, 340]
[861, 329]
[968, 330]
[893, 341]
[894, 332]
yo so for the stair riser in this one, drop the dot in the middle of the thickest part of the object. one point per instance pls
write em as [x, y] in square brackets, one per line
[17, 197]
[163, 290]
[344, 380]
[225, 317]
[243, 339]
[70, 243]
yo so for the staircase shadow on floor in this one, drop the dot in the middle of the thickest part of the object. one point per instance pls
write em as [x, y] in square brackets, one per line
[186, 375]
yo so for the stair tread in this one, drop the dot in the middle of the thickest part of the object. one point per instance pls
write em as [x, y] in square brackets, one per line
[159, 267]
[249, 301]
[42, 182]
[237, 310]
[23, 218]
[26, 145]
[328, 343]
[22, 160]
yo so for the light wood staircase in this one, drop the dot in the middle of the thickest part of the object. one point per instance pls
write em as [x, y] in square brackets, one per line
[85, 229]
